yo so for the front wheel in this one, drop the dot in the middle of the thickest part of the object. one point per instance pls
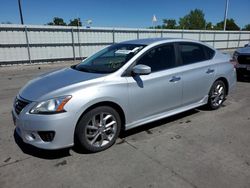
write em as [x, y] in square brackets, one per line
[98, 129]
[216, 95]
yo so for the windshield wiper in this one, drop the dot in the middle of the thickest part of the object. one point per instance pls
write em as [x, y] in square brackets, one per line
[84, 70]
[75, 67]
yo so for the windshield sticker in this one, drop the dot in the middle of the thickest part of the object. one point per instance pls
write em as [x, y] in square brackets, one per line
[126, 52]
[136, 49]
[123, 52]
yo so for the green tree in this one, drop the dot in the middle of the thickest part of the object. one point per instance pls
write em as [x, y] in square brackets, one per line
[194, 20]
[184, 23]
[57, 21]
[231, 25]
[209, 26]
[75, 22]
[246, 27]
[157, 27]
[169, 24]
[219, 25]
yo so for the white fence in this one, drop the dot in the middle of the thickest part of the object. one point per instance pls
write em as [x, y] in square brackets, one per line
[20, 44]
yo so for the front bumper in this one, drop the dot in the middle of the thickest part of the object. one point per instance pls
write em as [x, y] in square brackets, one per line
[28, 127]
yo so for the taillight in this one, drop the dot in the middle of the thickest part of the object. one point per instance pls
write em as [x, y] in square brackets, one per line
[234, 59]
[234, 62]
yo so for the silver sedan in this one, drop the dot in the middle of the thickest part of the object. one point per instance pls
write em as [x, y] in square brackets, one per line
[121, 87]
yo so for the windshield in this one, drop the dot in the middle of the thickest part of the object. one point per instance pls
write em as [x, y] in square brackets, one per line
[109, 59]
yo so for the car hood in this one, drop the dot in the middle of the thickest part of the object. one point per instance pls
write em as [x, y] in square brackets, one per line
[245, 50]
[52, 81]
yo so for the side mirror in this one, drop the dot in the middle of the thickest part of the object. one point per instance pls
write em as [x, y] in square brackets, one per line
[141, 69]
[246, 45]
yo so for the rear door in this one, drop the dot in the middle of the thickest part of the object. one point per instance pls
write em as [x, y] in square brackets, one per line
[197, 71]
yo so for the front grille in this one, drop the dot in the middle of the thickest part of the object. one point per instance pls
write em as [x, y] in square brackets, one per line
[47, 136]
[19, 105]
[244, 59]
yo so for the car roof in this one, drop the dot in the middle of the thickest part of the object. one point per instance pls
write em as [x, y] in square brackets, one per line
[147, 41]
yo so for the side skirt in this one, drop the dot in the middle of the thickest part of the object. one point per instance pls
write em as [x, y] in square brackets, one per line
[166, 114]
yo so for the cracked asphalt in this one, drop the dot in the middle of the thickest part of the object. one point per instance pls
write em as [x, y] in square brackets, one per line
[196, 149]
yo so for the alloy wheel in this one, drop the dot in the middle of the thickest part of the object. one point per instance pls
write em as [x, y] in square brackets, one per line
[101, 129]
[218, 95]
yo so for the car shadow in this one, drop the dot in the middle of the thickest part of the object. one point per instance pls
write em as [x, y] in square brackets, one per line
[61, 153]
[158, 123]
[40, 153]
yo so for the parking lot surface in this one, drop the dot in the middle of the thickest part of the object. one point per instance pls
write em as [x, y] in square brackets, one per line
[195, 149]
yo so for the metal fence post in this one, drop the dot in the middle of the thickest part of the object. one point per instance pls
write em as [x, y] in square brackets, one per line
[238, 45]
[228, 39]
[200, 35]
[73, 43]
[138, 34]
[182, 34]
[79, 43]
[27, 42]
[113, 35]
[214, 39]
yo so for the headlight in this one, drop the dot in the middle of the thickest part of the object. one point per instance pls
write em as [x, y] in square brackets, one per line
[51, 106]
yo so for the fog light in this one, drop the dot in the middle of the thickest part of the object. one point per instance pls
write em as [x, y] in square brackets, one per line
[47, 136]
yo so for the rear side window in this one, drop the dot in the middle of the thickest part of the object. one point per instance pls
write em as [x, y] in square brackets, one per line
[191, 53]
[209, 52]
[159, 58]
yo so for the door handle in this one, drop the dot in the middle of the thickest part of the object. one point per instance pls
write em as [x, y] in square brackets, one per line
[209, 71]
[175, 79]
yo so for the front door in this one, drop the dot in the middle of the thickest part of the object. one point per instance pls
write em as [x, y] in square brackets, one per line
[159, 91]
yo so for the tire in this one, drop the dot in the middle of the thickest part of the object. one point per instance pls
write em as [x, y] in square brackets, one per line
[217, 95]
[98, 129]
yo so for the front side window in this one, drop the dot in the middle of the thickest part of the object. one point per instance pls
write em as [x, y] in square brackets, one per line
[191, 53]
[109, 59]
[159, 58]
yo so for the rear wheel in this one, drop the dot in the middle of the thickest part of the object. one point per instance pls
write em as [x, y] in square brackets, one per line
[217, 95]
[98, 129]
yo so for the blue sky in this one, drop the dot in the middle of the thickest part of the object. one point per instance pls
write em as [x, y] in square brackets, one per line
[121, 13]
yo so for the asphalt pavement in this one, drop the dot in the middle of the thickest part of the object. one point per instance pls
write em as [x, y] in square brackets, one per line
[196, 149]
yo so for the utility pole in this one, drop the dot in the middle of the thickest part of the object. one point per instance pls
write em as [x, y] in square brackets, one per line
[20, 11]
[225, 16]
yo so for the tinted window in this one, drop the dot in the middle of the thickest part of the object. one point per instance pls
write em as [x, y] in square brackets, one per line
[191, 53]
[210, 52]
[159, 58]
